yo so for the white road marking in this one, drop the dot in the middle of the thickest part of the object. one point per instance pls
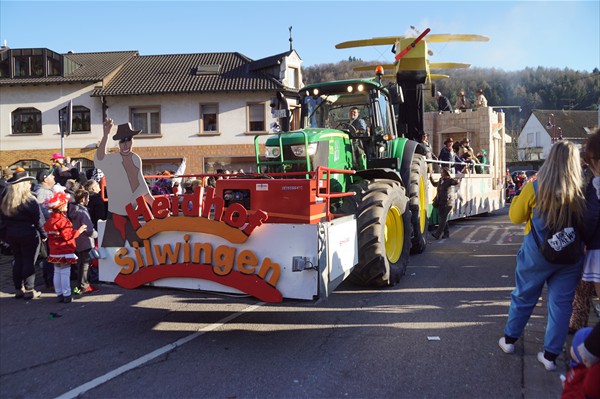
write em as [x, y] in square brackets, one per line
[73, 393]
[485, 234]
[471, 240]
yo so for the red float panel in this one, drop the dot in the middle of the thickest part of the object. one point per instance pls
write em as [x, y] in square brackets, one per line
[284, 200]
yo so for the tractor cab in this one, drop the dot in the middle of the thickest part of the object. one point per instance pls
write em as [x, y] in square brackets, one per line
[343, 124]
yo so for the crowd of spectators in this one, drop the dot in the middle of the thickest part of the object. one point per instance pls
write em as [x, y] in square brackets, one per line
[31, 206]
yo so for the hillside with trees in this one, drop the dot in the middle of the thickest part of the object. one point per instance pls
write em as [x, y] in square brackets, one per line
[531, 88]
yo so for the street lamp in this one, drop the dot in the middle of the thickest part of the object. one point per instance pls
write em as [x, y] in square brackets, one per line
[552, 125]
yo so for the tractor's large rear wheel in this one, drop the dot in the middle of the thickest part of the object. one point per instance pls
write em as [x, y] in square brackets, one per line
[384, 228]
[418, 203]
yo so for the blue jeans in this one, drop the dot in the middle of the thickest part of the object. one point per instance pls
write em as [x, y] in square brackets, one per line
[532, 272]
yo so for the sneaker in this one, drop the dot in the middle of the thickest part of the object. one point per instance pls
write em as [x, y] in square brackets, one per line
[548, 364]
[91, 289]
[19, 294]
[77, 291]
[59, 298]
[506, 348]
[67, 299]
[33, 294]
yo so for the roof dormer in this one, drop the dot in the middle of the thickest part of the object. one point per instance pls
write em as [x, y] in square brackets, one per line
[34, 63]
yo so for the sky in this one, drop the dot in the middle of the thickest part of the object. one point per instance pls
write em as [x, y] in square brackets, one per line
[551, 34]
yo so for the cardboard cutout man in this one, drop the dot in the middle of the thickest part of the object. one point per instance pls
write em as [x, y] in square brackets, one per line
[124, 183]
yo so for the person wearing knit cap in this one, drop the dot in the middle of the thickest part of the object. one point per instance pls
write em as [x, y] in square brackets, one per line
[61, 244]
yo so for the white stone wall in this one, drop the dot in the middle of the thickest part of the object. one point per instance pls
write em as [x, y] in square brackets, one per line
[179, 117]
[49, 99]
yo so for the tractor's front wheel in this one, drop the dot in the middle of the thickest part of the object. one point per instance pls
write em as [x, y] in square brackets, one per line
[384, 230]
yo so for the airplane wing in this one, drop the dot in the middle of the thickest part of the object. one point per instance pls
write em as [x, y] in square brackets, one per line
[447, 65]
[447, 37]
[432, 65]
[432, 38]
[434, 76]
[375, 41]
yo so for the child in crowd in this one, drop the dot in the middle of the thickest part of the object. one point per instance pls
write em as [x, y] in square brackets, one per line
[582, 379]
[79, 215]
[61, 244]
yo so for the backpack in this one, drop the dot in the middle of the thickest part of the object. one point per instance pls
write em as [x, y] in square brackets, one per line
[563, 247]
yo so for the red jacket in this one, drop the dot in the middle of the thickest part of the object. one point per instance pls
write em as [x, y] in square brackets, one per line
[61, 238]
[582, 383]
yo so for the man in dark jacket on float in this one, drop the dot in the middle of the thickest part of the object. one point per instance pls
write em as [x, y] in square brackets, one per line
[443, 102]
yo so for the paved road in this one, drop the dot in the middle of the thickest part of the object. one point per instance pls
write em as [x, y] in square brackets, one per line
[432, 336]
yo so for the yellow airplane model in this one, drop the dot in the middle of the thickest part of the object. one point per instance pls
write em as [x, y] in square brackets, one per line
[411, 60]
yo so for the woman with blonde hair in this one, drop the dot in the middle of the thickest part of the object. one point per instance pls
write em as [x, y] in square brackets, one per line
[551, 203]
[22, 221]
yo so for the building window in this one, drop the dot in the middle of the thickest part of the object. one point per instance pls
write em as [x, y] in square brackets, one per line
[82, 164]
[54, 66]
[80, 121]
[29, 63]
[26, 120]
[22, 66]
[38, 67]
[208, 118]
[153, 166]
[31, 166]
[227, 164]
[4, 65]
[35, 63]
[294, 77]
[256, 117]
[146, 119]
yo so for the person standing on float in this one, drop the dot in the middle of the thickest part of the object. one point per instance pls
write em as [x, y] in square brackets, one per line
[124, 183]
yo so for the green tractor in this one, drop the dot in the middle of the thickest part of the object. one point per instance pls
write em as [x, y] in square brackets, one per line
[391, 172]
